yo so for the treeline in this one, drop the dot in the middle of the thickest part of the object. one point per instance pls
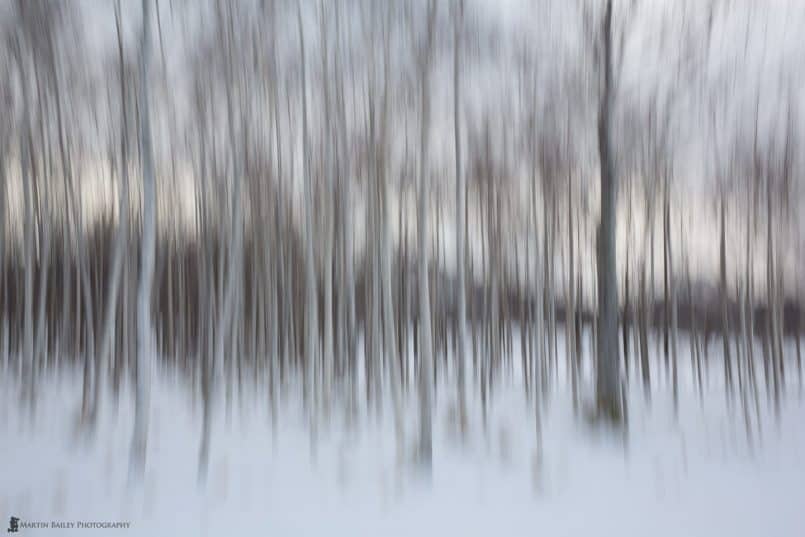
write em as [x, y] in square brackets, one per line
[179, 291]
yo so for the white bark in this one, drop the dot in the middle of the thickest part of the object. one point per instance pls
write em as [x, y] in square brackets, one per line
[461, 222]
[145, 337]
[119, 247]
[311, 301]
[225, 327]
[426, 342]
[385, 241]
[25, 156]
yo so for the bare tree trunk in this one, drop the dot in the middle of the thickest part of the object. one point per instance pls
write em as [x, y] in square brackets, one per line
[608, 385]
[349, 272]
[693, 319]
[326, 355]
[225, 325]
[461, 223]
[771, 297]
[3, 293]
[328, 350]
[674, 318]
[570, 303]
[666, 260]
[69, 207]
[28, 372]
[119, 247]
[311, 301]
[28, 245]
[145, 335]
[425, 455]
[385, 242]
[41, 177]
[724, 310]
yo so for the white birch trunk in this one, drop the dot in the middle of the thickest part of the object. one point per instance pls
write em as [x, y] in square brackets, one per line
[311, 309]
[425, 455]
[119, 247]
[145, 337]
[461, 223]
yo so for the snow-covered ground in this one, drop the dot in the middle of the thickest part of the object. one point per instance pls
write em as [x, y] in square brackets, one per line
[698, 474]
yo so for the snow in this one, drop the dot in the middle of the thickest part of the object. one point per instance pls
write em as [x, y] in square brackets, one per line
[698, 474]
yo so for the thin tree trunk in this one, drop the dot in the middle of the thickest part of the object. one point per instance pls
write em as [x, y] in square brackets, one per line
[724, 311]
[425, 454]
[113, 284]
[145, 334]
[461, 224]
[311, 301]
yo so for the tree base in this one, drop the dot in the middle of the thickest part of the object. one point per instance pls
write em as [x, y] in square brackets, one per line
[607, 412]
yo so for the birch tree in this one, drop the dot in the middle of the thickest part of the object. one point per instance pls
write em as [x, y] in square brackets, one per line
[461, 217]
[608, 391]
[311, 301]
[145, 336]
[119, 246]
[424, 59]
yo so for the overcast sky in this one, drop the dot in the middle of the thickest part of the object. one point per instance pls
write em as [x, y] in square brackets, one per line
[752, 63]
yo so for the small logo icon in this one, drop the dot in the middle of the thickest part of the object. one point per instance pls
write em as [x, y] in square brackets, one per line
[13, 525]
